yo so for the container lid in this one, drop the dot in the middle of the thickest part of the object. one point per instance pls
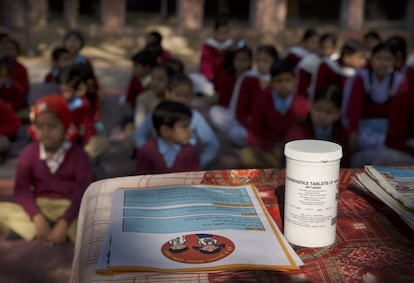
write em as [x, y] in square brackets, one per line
[313, 150]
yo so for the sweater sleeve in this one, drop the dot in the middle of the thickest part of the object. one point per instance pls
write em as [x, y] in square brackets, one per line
[207, 62]
[88, 122]
[9, 123]
[401, 122]
[209, 141]
[22, 187]
[353, 112]
[84, 177]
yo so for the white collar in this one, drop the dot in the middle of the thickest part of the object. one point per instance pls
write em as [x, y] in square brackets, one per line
[218, 45]
[53, 161]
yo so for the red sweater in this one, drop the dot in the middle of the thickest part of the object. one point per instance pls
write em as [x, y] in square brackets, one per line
[224, 88]
[135, 88]
[401, 119]
[13, 93]
[34, 179]
[332, 73]
[20, 76]
[9, 122]
[268, 126]
[83, 119]
[211, 62]
[250, 94]
[150, 160]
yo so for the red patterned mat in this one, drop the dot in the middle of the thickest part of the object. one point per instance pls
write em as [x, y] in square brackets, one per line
[372, 243]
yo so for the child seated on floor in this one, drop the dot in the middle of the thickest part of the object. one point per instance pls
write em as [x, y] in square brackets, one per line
[277, 111]
[61, 60]
[309, 44]
[52, 175]
[160, 78]
[170, 151]
[203, 137]
[153, 43]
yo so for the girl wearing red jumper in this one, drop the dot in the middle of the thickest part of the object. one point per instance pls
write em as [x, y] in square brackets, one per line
[52, 175]
[337, 72]
[10, 90]
[213, 51]
[273, 115]
[367, 105]
[61, 60]
[400, 134]
[308, 45]
[170, 151]
[234, 120]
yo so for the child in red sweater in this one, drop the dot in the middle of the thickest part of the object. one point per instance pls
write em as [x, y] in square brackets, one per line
[170, 151]
[213, 51]
[273, 115]
[308, 44]
[61, 60]
[11, 91]
[52, 175]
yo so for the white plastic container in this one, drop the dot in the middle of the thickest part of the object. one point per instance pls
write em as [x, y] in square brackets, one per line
[311, 192]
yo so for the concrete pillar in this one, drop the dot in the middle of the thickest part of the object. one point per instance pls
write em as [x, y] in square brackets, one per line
[352, 14]
[71, 13]
[409, 15]
[113, 16]
[269, 16]
[39, 10]
[191, 14]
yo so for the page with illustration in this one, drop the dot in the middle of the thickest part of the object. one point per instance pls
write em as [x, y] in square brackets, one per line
[195, 228]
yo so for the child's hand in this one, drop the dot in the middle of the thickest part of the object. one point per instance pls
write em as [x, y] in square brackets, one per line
[58, 233]
[42, 226]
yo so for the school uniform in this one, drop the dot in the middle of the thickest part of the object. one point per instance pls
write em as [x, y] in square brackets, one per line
[331, 72]
[224, 88]
[82, 117]
[212, 58]
[156, 156]
[202, 136]
[13, 93]
[136, 87]
[401, 118]
[306, 70]
[9, 122]
[295, 54]
[270, 123]
[234, 120]
[53, 187]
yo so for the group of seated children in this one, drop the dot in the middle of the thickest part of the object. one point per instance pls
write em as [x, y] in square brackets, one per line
[362, 99]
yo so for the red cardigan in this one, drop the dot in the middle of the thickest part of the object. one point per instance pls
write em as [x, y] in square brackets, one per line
[13, 93]
[224, 88]
[20, 75]
[268, 126]
[150, 160]
[9, 122]
[211, 62]
[84, 121]
[401, 119]
[326, 75]
[250, 94]
[135, 88]
[34, 179]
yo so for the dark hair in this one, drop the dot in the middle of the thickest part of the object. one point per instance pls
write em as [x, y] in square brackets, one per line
[7, 62]
[228, 64]
[270, 50]
[176, 64]
[331, 93]
[220, 22]
[328, 37]
[157, 37]
[282, 67]
[309, 33]
[167, 69]
[381, 46]
[144, 58]
[372, 33]
[179, 79]
[350, 47]
[77, 34]
[397, 44]
[57, 52]
[168, 113]
[72, 76]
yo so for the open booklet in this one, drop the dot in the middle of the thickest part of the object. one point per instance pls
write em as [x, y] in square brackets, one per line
[192, 229]
[399, 182]
[373, 186]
